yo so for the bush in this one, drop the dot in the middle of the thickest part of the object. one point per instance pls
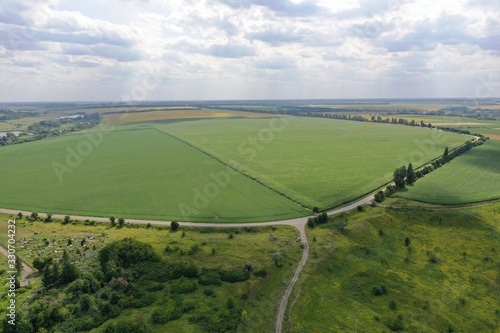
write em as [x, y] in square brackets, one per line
[184, 286]
[310, 222]
[174, 225]
[209, 277]
[208, 292]
[169, 311]
[379, 290]
[234, 275]
[194, 248]
[260, 273]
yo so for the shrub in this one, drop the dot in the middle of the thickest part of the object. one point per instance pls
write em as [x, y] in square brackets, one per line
[260, 273]
[194, 248]
[174, 225]
[379, 290]
[234, 275]
[208, 292]
[209, 277]
[184, 286]
[169, 311]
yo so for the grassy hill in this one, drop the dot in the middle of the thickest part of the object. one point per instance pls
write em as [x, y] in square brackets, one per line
[135, 293]
[444, 278]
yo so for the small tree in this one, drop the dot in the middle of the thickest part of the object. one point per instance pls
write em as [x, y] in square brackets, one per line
[34, 216]
[121, 222]
[315, 210]
[446, 151]
[174, 225]
[112, 220]
[407, 241]
[19, 215]
[66, 219]
[310, 222]
[411, 177]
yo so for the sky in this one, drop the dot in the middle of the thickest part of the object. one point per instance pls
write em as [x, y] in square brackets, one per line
[136, 50]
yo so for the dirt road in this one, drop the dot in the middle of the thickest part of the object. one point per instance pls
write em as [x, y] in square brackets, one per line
[299, 223]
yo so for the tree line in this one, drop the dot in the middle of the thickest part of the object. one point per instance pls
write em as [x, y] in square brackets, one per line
[406, 175]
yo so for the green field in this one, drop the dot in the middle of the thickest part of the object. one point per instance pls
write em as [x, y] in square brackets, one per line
[167, 170]
[458, 292]
[140, 172]
[473, 177]
[317, 162]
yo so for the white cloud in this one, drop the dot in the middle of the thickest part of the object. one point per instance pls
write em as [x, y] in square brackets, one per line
[209, 49]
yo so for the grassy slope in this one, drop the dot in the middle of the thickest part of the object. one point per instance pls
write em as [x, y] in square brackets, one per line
[459, 290]
[140, 173]
[318, 162]
[473, 177]
[256, 247]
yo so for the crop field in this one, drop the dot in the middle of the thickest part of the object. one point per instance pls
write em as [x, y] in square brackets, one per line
[179, 114]
[134, 173]
[445, 278]
[317, 162]
[472, 177]
[215, 249]
[382, 107]
[167, 170]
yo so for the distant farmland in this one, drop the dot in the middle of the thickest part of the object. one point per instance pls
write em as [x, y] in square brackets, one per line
[157, 168]
[140, 173]
[317, 162]
[473, 177]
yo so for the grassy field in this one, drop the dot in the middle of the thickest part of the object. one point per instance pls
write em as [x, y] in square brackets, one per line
[133, 172]
[472, 177]
[179, 114]
[458, 291]
[317, 162]
[253, 245]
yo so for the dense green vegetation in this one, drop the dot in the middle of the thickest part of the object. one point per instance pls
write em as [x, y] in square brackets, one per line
[472, 177]
[150, 279]
[401, 270]
[134, 173]
[317, 162]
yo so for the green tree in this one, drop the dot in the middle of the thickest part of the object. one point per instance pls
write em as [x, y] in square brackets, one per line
[174, 225]
[69, 272]
[399, 177]
[310, 222]
[112, 220]
[445, 152]
[66, 219]
[121, 222]
[411, 177]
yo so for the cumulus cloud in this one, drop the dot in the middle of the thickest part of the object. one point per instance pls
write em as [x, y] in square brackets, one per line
[246, 48]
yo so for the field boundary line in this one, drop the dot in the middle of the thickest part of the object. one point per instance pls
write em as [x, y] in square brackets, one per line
[233, 168]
